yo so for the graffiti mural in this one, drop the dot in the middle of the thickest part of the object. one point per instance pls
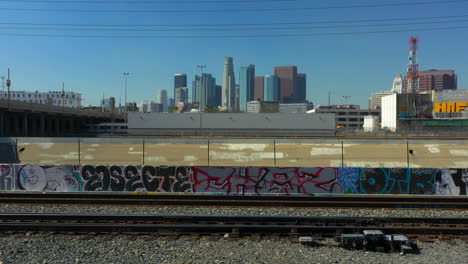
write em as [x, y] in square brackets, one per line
[234, 180]
[7, 178]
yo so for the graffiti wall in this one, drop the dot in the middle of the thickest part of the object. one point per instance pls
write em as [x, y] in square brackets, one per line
[234, 180]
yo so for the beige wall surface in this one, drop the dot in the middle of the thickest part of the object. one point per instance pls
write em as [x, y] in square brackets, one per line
[438, 154]
[372, 154]
[308, 153]
[48, 153]
[242, 153]
[246, 152]
[176, 154]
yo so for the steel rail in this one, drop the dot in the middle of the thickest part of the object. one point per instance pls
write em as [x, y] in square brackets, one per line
[236, 225]
[182, 199]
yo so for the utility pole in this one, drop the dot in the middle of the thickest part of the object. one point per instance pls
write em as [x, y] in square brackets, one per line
[8, 83]
[201, 67]
[126, 80]
[63, 96]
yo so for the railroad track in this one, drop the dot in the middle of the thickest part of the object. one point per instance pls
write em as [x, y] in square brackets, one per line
[235, 226]
[151, 199]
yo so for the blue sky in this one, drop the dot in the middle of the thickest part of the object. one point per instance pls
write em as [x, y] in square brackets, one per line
[345, 65]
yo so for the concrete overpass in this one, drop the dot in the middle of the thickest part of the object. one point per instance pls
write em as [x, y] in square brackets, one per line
[33, 119]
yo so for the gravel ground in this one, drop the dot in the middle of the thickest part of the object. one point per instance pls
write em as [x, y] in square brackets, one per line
[33, 248]
[73, 249]
[232, 211]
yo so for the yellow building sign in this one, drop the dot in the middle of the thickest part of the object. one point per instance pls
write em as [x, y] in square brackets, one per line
[449, 107]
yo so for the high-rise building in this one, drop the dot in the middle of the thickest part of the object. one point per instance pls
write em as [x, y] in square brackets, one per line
[259, 87]
[300, 90]
[434, 80]
[218, 95]
[180, 80]
[229, 85]
[208, 90]
[272, 88]
[287, 77]
[196, 89]
[181, 95]
[397, 86]
[246, 85]
[162, 99]
[205, 91]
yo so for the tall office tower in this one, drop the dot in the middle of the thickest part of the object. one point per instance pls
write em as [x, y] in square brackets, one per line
[207, 90]
[301, 88]
[180, 80]
[259, 86]
[272, 88]
[162, 99]
[218, 95]
[437, 80]
[397, 86]
[433, 80]
[181, 95]
[287, 78]
[196, 89]
[229, 85]
[246, 85]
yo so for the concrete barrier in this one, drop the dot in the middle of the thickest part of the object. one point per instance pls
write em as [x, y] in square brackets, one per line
[375, 153]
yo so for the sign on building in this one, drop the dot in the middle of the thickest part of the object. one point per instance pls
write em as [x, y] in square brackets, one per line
[450, 104]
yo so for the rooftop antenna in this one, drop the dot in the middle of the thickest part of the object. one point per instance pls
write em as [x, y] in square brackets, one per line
[413, 67]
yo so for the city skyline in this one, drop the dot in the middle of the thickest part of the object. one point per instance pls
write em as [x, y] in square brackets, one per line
[344, 64]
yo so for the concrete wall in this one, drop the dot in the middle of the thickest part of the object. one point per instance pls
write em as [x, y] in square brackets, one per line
[375, 153]
[234, 180]
[229, 124]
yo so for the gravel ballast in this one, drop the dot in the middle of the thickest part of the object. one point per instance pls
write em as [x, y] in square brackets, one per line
[74, 249]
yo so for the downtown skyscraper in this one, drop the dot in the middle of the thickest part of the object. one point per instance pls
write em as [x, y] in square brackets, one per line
[246, 86]
[229, 85]
[180, 81]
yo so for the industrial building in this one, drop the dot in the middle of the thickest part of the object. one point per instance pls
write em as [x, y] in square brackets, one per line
[235, 124]
[441, 112]
[57, 98]
[347, 117]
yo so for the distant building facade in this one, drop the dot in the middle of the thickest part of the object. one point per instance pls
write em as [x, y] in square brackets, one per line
[180, 80]
[229, 94]
[57, 98]
[397, 86]
[287, 78]
[300, 89]
[162, 99]
[348, 117]
[246, 86]
[375, 99]
[435, 80]
[272, 88]
[181, 95]
[259, 88]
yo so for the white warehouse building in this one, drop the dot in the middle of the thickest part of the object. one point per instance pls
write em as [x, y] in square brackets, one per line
[57, 98]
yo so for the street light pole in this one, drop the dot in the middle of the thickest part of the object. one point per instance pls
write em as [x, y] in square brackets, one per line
[126, 80]
[8, 83]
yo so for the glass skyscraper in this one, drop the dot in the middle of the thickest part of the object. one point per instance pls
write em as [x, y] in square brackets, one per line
[271, 90]
[246, 86]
